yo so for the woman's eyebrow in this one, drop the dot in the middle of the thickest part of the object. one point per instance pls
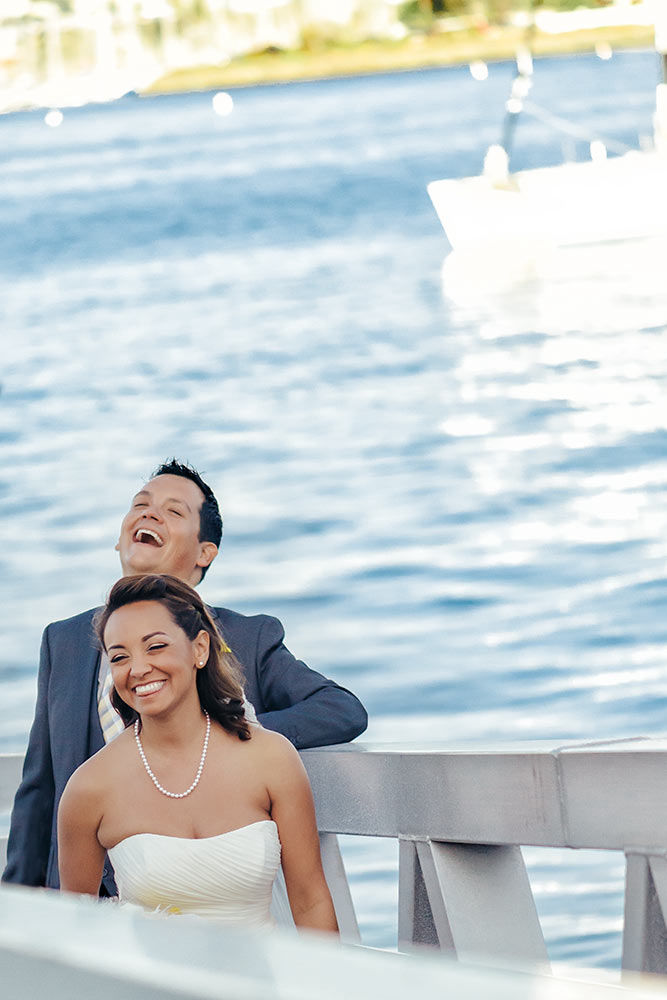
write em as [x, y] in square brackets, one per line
[144, 638]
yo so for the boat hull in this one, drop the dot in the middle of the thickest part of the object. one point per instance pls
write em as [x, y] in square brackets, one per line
[619, 198]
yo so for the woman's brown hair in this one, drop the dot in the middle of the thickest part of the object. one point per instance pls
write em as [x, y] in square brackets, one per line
[218, 681]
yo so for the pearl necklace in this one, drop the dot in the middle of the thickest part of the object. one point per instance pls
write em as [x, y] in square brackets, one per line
[174, 795]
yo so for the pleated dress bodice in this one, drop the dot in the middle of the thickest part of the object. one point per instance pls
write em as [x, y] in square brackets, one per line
[228, 877]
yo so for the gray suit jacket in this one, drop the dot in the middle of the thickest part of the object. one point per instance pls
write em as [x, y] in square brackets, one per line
[288, 696]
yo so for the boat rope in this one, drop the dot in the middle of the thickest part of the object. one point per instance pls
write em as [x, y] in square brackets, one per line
[562, 125]
[518, 103]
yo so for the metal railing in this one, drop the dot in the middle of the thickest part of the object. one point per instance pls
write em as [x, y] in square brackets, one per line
[461, 815]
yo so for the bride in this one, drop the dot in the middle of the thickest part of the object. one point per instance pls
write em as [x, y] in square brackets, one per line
[194, 805]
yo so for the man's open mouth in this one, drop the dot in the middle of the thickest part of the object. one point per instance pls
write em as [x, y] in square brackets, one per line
[148, 537]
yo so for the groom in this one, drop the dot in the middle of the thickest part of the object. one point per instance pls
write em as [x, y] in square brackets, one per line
[173, 526]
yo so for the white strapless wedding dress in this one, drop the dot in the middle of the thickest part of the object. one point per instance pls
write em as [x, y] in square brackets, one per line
[228, 878]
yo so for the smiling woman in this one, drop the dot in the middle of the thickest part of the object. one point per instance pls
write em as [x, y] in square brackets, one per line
[189, 777]
[160, 638]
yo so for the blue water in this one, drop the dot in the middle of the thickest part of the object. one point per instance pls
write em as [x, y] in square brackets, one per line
[451, 488]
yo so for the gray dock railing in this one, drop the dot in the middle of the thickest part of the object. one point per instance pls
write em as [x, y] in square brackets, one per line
[461, 815]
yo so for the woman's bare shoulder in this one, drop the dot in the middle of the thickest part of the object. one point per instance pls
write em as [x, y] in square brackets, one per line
[267, 741]
[90, 778]
[275, 751]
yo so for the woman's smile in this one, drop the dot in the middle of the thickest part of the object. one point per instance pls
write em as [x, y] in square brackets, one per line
[149, 688]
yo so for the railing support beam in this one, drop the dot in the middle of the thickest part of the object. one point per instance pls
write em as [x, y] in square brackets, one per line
[644, 930]
[470, 900]
[422, 915]
[339, 887]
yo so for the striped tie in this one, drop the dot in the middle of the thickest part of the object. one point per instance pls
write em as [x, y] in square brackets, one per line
[110, 721]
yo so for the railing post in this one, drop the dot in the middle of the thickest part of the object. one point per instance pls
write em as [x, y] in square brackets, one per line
[474, 901]
[644, 931]
[11, 766]
[418, 926]
[334, 872]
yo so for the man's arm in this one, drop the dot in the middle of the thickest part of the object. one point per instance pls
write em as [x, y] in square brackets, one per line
[32, 816]
[307, 708]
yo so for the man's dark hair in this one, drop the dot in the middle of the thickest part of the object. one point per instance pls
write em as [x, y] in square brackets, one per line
[210, 519]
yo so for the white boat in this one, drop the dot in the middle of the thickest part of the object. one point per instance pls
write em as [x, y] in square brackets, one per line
[616, 199]
[601, 200]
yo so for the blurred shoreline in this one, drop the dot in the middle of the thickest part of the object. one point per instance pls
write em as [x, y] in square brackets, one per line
[417, 51]
[448, 41]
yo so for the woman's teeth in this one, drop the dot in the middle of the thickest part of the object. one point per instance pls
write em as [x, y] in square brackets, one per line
[148, 688]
